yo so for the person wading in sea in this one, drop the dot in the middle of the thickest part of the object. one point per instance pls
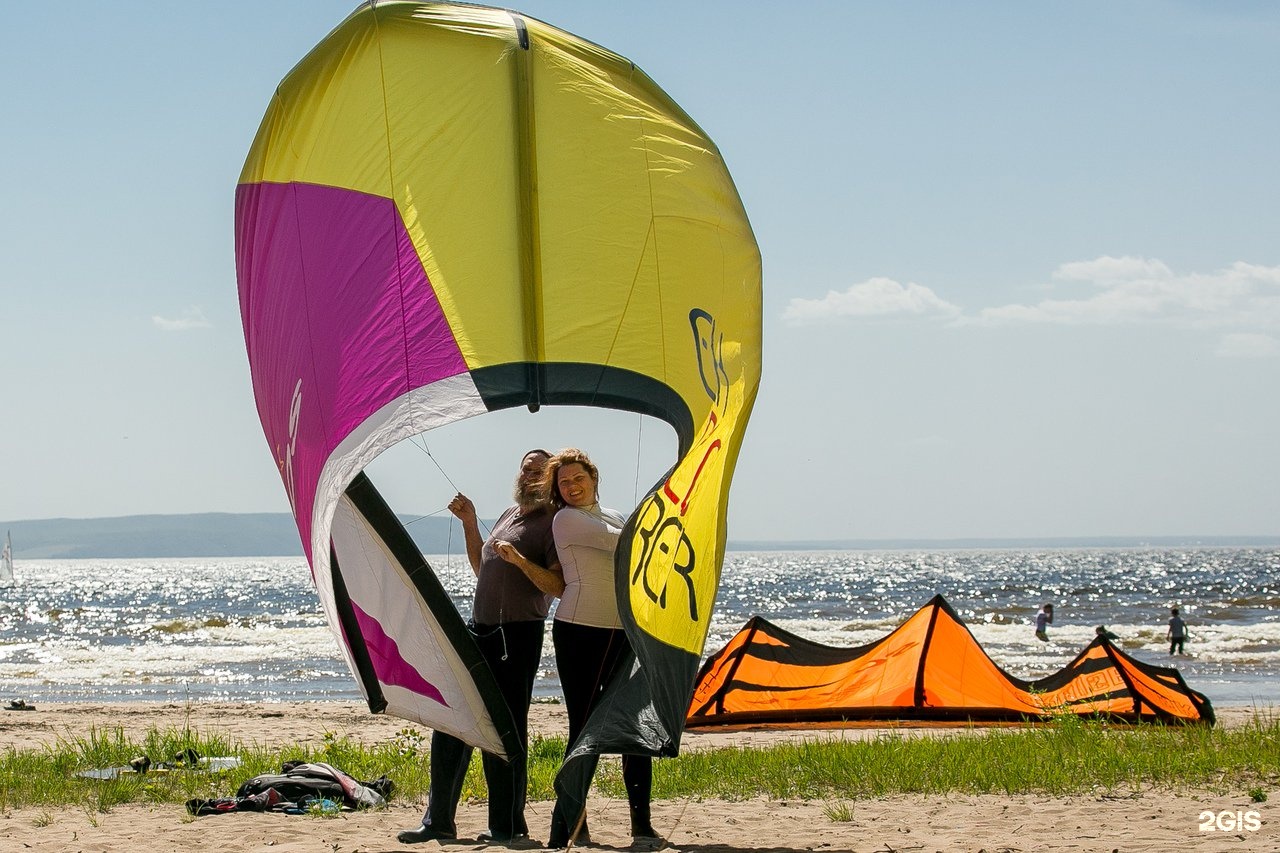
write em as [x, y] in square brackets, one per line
[1043, 620]
[1177, 635]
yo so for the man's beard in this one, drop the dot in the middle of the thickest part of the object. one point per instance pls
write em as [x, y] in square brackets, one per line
[528, 493]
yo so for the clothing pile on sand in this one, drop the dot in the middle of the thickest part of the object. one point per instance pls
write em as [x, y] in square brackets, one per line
[300, 788]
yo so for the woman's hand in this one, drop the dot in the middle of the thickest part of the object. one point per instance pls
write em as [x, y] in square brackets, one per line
[508, 552]
[550, 580]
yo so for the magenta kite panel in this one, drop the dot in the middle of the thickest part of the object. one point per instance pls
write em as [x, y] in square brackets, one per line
[340, 320]
[388, 664]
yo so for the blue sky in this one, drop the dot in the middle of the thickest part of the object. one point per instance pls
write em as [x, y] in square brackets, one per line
[1022, 266]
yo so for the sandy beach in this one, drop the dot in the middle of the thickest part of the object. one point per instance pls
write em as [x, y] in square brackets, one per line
[1155, 820]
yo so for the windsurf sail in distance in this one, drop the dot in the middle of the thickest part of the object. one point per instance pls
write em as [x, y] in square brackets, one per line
[6, 560]
[450, 210]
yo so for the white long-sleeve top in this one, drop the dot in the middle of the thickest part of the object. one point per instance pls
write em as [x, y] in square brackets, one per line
[585, 541]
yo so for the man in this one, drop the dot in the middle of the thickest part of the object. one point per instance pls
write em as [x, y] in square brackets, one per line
[1177, 635]
[513, 594]
[1043, 620]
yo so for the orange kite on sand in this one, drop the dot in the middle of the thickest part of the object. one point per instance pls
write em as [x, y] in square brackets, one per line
[929, 669]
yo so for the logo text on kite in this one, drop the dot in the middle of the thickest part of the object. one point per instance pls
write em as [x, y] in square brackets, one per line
[660, 524]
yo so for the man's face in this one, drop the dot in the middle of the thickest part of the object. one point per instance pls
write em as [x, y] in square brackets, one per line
[529, 480]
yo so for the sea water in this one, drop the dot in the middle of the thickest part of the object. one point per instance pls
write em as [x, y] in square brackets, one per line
[242, 629]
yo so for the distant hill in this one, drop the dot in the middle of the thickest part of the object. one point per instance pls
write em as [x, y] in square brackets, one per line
[210, 534]
[219, 534]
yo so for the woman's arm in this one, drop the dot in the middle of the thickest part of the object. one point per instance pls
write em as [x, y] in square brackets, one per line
[549, 580]
[573, 526]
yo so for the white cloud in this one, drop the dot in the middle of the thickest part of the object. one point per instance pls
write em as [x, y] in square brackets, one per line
[875, 297]
[1144, 290]
[1241, 300]
[192, 318]
[1248, 345]
[1107, 268]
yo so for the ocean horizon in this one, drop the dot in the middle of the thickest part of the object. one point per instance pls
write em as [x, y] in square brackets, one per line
[275, 534]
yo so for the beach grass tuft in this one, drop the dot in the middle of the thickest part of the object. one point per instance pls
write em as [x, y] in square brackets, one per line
[839, 811]
[1071, 756]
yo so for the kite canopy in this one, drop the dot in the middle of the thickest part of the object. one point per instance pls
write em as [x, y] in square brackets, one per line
[929, 668]
[450, 210]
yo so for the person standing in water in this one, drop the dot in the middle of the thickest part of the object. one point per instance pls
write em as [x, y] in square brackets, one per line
[1043, 620]
[1177, 635]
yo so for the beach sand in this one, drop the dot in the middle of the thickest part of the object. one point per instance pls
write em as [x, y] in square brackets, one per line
[1155, 820]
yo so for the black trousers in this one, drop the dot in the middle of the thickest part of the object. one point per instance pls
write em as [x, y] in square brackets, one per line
[513, 651]
[587, 658]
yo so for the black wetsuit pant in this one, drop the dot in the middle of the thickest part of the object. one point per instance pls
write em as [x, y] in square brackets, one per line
[587, 658]
[513, 651]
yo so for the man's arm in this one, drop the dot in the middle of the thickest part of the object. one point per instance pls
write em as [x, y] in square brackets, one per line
[462, 507]
[549, 580]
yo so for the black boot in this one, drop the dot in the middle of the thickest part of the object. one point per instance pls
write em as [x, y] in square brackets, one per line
[424, 833]
[559, 838]
[643, 835]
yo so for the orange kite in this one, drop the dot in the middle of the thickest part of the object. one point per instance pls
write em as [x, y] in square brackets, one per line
[929, 669]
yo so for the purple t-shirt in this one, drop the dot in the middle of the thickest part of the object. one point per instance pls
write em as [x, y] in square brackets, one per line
[503, 593]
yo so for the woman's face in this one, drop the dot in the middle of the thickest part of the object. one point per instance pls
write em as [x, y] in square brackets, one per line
[575, 484]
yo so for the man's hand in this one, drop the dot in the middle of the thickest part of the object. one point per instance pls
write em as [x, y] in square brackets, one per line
[462, 507]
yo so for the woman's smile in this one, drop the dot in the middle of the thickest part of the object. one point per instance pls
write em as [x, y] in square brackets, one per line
[576, 486]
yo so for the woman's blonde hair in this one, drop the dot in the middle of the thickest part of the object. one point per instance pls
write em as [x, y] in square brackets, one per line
[551, 474]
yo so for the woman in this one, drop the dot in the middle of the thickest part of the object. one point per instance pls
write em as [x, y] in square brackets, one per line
[587, 632]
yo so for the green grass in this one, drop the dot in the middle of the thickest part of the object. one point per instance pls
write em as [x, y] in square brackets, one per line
[1070, 756]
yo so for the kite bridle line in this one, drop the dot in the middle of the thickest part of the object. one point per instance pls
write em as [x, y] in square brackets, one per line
[421, 443]
[635, 492]
[427, 450]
